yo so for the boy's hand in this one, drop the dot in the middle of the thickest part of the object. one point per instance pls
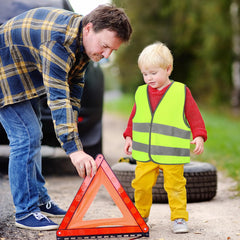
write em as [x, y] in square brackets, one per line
[199, 142]
[128, 146]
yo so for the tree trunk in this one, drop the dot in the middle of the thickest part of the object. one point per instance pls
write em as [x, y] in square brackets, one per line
[234, 12]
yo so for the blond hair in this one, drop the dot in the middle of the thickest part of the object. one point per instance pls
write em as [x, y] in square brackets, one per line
[155, 55]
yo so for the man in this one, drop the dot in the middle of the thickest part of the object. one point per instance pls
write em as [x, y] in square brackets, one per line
[46, 51]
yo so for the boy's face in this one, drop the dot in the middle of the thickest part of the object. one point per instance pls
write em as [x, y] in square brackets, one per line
[101, 44]
[156, 77]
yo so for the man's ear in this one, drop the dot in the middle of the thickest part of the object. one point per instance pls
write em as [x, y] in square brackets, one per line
[88, 27]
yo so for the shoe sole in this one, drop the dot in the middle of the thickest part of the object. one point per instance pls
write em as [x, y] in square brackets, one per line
[52, 215]
[181, 231]
[50, 227]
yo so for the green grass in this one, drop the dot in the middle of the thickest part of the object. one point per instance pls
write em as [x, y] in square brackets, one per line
[223, 145]
[121, 105]
[222, 148]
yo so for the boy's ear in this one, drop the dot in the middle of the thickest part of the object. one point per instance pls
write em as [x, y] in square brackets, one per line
[169, 69]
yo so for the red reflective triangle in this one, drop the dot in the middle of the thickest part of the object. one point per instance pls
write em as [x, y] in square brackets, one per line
[130, 224]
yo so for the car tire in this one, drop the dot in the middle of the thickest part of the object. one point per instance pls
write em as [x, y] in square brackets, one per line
[201, 181]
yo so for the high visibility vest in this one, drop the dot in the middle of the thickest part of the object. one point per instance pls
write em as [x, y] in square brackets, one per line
[162, 136]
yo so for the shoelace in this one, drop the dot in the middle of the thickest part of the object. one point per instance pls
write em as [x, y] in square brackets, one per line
[49, 204]
[179, 221]
[39, 216]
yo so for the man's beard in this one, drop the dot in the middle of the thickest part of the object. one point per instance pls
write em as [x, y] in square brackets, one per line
[96, 57]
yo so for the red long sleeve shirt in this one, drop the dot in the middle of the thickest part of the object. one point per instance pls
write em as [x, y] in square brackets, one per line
[191, 110]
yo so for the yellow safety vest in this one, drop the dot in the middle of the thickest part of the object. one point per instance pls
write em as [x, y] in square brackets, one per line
[162, 136]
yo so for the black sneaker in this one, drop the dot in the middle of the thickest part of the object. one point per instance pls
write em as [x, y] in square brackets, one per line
[51, 209]
[36, 221]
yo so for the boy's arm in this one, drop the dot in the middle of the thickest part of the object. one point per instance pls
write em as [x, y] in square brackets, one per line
[128, 131]
[194, 117]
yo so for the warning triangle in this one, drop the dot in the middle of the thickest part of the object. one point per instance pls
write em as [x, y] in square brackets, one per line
[130, 224]
[97, 209]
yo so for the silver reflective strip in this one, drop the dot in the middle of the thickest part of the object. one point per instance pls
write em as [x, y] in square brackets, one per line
[159, 150]
[140, 147]
[162, 129]
[141, 127]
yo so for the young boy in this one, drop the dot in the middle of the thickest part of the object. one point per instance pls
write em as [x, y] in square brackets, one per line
[159, 128]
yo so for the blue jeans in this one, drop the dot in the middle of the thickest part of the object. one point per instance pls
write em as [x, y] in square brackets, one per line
[22, 123]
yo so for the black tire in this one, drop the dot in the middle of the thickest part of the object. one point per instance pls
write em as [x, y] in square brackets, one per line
[201, 181]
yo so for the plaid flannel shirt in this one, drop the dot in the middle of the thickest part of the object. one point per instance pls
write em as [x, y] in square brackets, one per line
[41, 51]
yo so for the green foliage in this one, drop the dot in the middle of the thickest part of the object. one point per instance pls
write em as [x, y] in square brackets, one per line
[199, 36]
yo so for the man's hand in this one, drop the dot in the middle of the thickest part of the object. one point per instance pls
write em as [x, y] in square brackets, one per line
[84, 163]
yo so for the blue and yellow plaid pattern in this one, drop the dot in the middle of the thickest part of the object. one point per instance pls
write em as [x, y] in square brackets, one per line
[41, 51]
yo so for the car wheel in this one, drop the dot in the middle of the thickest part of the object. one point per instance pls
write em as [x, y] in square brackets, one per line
[201, 181]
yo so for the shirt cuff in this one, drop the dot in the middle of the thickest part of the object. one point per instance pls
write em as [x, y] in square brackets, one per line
[200, 133]
[72, 146]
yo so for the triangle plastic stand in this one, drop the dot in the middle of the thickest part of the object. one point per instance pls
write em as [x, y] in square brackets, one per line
[73, 226]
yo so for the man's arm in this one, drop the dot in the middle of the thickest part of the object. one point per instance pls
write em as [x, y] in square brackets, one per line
[56, 64]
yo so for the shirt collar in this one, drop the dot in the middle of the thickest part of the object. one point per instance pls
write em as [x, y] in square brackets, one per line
[82, 50]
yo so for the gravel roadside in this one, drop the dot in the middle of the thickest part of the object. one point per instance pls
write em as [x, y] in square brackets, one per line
[217, 219]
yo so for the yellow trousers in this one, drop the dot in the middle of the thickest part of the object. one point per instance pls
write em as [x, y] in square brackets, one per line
[146, 174]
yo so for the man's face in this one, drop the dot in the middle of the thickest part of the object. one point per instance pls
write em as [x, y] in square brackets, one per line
[101, 44]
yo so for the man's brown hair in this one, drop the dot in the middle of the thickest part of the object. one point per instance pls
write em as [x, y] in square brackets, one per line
[111, 18]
